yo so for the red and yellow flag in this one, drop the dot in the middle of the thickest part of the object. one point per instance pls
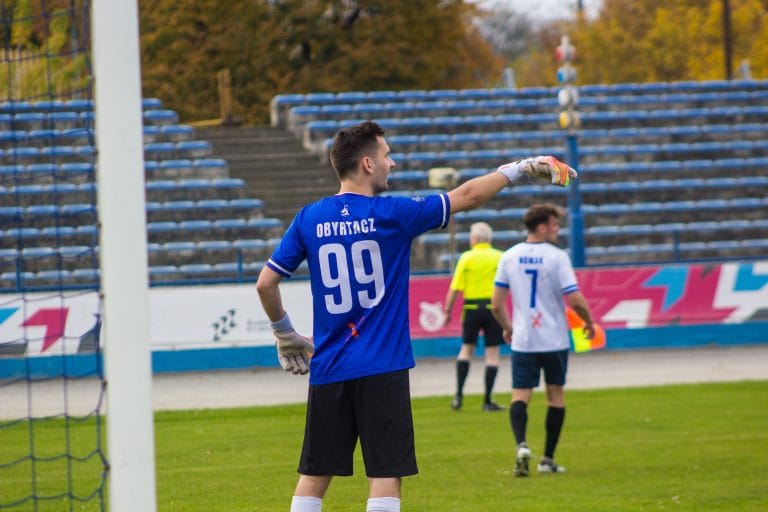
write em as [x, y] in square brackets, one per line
[579, 339]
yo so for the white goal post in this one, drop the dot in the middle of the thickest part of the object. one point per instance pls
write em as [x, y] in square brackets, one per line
[124, 278]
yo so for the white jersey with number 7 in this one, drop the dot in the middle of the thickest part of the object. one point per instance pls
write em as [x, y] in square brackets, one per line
[538, 276]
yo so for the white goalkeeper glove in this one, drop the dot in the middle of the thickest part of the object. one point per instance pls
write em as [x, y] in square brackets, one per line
[293, 350]
[539, 166]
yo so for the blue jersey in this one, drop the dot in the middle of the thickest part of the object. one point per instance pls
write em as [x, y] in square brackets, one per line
[358, 250]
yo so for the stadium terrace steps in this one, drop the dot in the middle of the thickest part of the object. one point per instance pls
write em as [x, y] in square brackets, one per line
[274, 166]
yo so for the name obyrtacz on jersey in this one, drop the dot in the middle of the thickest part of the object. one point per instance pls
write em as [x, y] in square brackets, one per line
[345, 227]
[531, 260]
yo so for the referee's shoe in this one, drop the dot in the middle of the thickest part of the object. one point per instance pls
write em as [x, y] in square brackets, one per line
[492, 406]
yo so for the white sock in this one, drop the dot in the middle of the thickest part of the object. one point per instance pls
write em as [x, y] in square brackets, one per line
[306, 504]
[383, 505]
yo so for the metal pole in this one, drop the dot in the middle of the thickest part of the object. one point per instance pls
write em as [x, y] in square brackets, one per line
[727, 51]
[575, 219]
[123, 241]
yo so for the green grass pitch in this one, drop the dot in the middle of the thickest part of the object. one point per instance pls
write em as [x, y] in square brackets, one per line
[683, 448]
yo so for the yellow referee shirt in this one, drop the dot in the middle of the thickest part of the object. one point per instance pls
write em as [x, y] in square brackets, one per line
[475, 272]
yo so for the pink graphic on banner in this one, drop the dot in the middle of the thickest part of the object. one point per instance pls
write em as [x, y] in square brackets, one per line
[618, 297]
[54, 320]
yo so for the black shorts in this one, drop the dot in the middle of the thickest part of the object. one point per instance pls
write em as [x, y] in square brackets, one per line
[377, 409]
[476, 316]
[527, 366]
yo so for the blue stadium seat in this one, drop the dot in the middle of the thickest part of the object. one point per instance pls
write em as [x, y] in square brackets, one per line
[196, 269]
[443, 94]
[408, 176]
[289, 99]
[151, 103]
[163, 271]
[176, 132]
[230, 224]
[176, 206]
[421, 159]
[320, 98]
[435, 141]
[214, 245]
[226, 183]
[404, 142]
[264, 223]
[59, 275]
[162, 227]
[20, 233]
[252, 245]
[212, 204]
[211, 166]
[163, 185]
[194, 148]
[336, 111]
[382, 96]
[368, 111]
[412, 95]
[160, 117]
[21, 154]
[467, 140]
[246, 204]
[195, 225]
[179, 247]
[352, 97]
[456, 158]
[160, 150]
[755, 243]
[178, 168]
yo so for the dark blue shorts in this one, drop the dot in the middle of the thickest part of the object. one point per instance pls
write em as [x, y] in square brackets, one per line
[527, 366]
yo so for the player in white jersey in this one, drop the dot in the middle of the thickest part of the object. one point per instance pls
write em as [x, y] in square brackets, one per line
[538, 275]
[358, 245]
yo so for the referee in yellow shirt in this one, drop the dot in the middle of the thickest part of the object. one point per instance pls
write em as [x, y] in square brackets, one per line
[473, 277]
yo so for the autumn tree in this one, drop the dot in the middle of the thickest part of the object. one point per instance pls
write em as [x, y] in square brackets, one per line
[659, 40]
[275, 46]
[652, 40]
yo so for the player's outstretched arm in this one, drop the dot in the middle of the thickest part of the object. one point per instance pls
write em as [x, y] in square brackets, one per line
[475, 192]
[293, 349]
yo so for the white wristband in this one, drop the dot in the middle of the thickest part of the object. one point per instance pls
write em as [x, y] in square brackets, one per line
[283, 325]
[512, 170]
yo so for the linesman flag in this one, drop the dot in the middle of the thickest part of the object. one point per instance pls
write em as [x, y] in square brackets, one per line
[579, 340]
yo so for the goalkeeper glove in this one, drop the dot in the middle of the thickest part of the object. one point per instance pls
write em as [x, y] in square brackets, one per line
[293, 349]
[539, 166]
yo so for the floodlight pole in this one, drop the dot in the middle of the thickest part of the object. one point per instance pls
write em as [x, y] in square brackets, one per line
[123, 254]
[569, 119]
[575, 218]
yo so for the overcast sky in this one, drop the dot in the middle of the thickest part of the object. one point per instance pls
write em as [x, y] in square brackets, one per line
[545, 10]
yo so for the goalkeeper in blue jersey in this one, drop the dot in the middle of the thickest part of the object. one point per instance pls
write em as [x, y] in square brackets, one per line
[357, 246]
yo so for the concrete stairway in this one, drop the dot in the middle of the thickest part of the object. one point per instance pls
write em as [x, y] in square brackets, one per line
[274, 166]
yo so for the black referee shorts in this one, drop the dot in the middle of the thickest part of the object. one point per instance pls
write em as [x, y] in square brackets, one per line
[375, 409]
[477, 316]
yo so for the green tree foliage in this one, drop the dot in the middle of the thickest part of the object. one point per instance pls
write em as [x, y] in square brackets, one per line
[275, 46]
[44, 46]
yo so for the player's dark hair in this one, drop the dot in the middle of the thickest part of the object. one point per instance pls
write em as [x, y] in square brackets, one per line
[351, 144]
[540, 214]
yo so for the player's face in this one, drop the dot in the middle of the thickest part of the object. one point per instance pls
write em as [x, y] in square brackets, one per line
[552, 230]
[383, 164]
